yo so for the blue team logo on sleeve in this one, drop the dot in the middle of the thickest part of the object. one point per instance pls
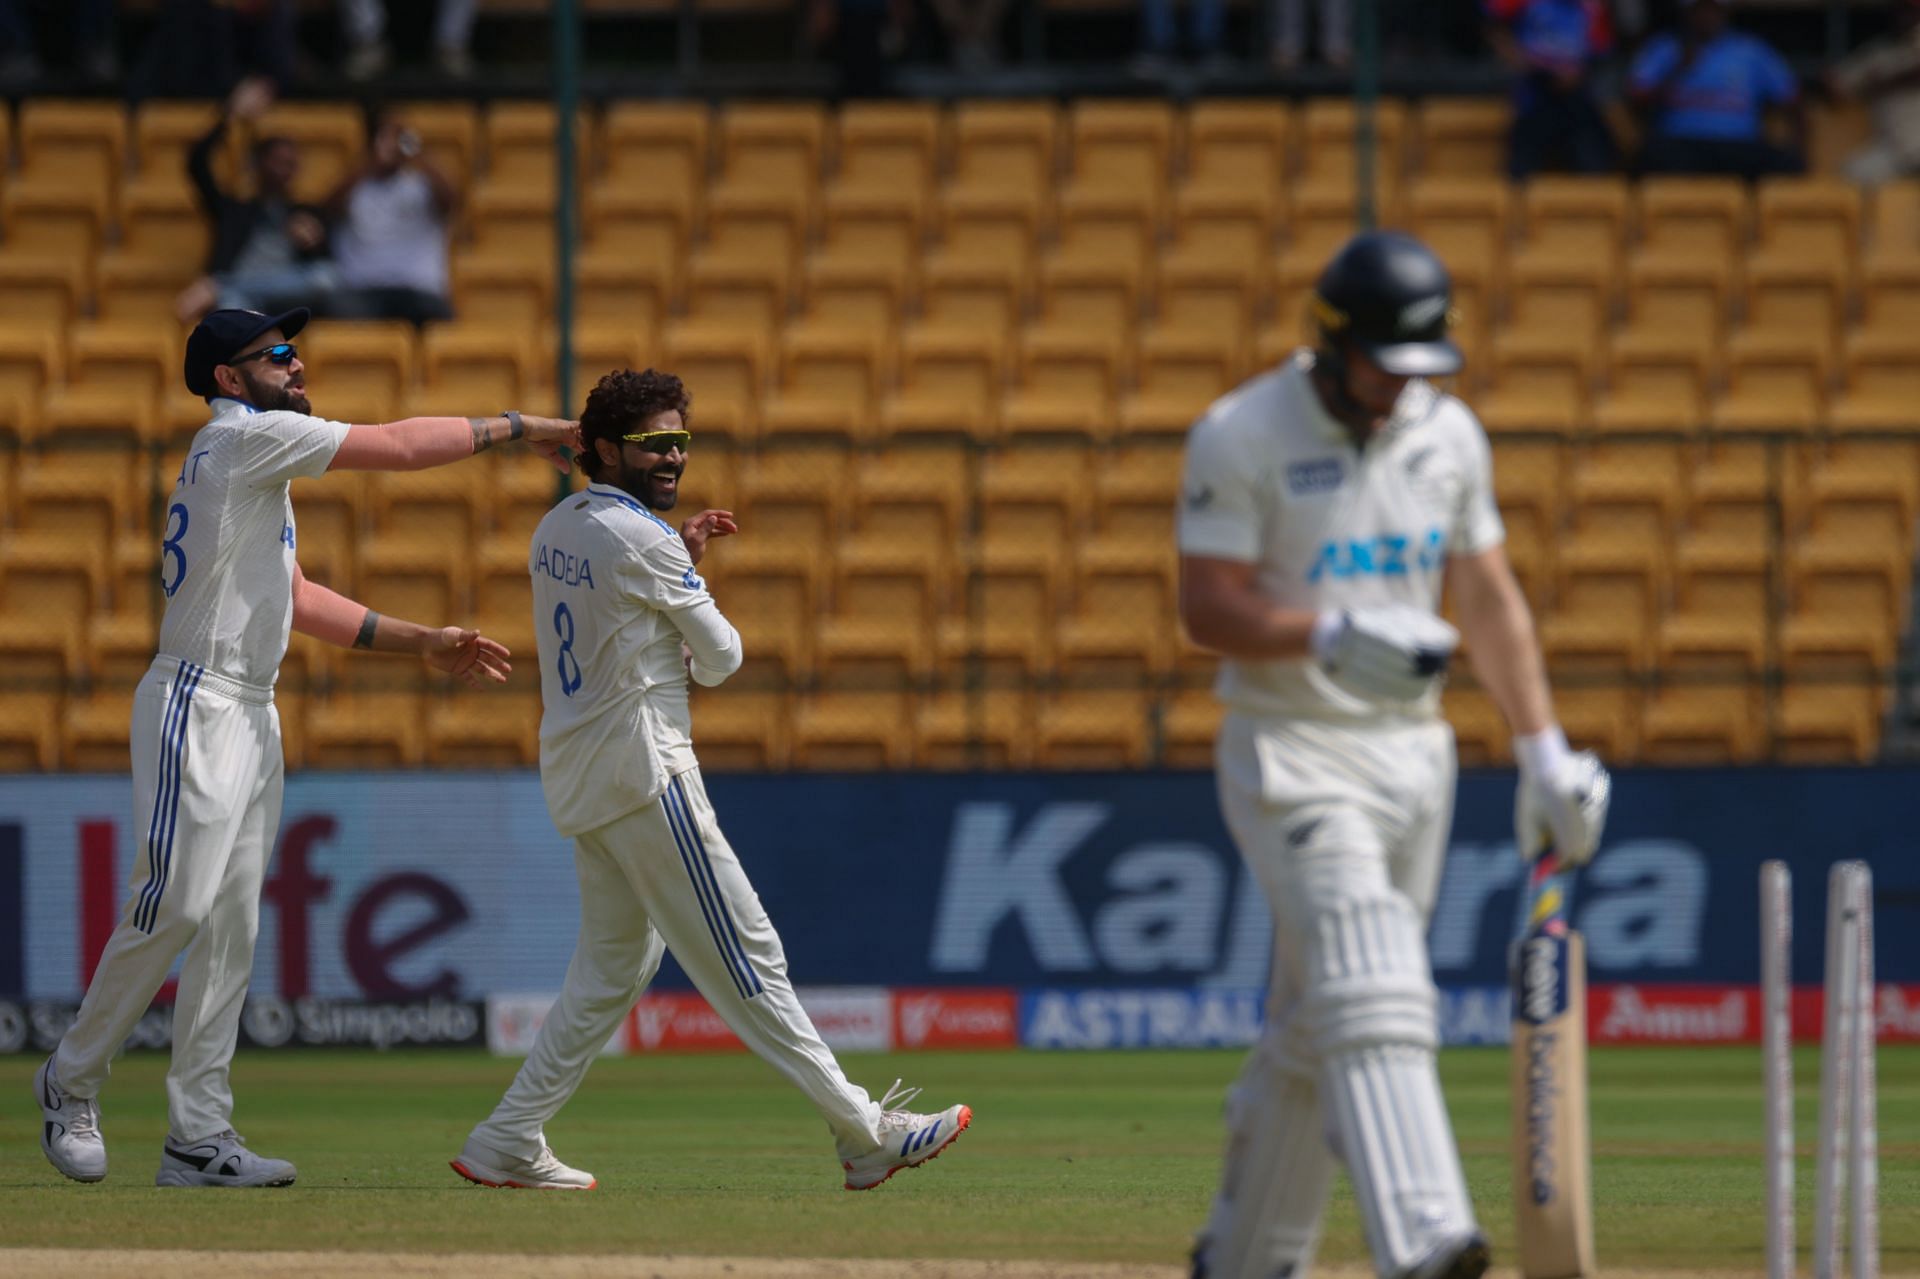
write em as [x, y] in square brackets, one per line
[1388, 555]
[1321, 475]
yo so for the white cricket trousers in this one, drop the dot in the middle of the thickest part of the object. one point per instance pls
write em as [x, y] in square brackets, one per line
[207, 781]
[1345, 828]
[664, 876]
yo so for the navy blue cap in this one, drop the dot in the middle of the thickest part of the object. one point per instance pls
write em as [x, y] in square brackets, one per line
[221, 335]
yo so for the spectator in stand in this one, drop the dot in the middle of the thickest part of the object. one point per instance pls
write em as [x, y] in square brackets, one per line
[368, 52]
[1886, 76]
[1160, 38]
[972, 29]
[1553, 47]
[1335, 29]
[89, 24]
[269, 252]
[1705, 92]
[390, 230]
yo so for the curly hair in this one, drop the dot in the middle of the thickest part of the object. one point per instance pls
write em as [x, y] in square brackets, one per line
[625, 400]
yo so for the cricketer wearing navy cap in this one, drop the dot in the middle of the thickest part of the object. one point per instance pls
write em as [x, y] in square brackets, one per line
[207, 766]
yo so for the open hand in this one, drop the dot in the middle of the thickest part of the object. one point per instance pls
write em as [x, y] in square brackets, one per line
[554, 438]
[472, 656]
[708, 524]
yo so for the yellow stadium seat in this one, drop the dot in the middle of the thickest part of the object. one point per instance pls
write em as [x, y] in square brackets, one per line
[1890, 292]
[49, 577]
[449, 136]
[95, 736]
[778, 145]
[1461, 217]
[53, 217]
[850, 290]
[1882, 382]
[602, 346]
[1071, 363]
[889, 145]
[979, 293]
[1714, 723]
[82, 141]
[1005, 144]
[1135, 489]
[512, 217]
[484, 728]
[1820, 721]
[1562, 294]
[1121, 143]
[1657, 380]
[1323, 214]
[525, 489]
[1722, 616]
[1002, 627]
[159, 218]
[384, 729]
[1189, 723]
[739, 292]
[29, 730]
[329, 526]
[32, 362]
[640, 223]
[483, 365]
[1542, 381]
[1678, 294]
[1480, 735]
[829, 376]
[1239, 142]
[875, 221]
[1224, 223]
[758, 222]
[998, 223]
[163, 133]
[1091, 293]
[882, 619]
[1812, 217]
[950, 380]
[660, 146]
[122, 417]
[989, 728]
[452, 500]
[1579, 218]
[771, 598]
[1211, 300]
[1121, 626]
[740, 729]
[40, 291]
[330, 135]
[1793, 292]
[1600, 620]
[1181, 371]
[142, 289]
[1329, 129]
[502, 587]
[1706, 217]
[1463, 137]
[519, 139]
[359, 357]
[1109, 224]
[1600, 719]
[1032, 498]
[612, 286]
[852, 730]
[410, 574]
[127, 355]
[1089, 729]
[725, 369]
[1776, 381]
[1894, 225]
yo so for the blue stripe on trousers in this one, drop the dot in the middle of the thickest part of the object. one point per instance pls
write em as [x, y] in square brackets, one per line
[719, 922]
[705, 863]
[156, 821]
[159, 887]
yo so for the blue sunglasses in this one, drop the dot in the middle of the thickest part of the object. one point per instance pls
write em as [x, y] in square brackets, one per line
[278, 353]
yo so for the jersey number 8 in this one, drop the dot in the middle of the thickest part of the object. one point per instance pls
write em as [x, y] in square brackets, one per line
[568, 664]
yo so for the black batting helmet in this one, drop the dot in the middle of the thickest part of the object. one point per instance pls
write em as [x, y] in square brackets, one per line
[1387, 295]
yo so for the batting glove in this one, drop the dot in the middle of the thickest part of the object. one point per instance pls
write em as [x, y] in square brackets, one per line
[1391, 652]
[1562, 801]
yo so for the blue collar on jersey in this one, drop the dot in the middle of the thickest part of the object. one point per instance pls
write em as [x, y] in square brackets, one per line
[627, 500]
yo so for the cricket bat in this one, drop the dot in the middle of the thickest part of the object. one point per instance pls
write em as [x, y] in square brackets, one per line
[1552, 1154]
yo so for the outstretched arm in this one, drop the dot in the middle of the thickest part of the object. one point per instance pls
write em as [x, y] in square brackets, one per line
[330, 616]
[416, 443]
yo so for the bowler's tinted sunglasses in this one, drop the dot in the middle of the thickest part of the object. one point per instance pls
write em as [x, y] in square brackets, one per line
[278, 353]
[661, 441]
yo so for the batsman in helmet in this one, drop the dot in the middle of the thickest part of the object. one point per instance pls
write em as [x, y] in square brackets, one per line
[1325, 503]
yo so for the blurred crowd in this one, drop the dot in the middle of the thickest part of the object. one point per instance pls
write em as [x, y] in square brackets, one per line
[374, 248]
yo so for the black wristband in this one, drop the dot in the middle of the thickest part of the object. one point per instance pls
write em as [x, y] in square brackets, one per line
[368, 625]
[516, 429]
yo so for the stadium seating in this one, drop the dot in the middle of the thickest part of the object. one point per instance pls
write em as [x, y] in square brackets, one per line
[942, 360]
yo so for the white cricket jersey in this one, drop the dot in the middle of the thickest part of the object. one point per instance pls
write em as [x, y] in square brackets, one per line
[613, 591]
[1272, 479]
[227, 547]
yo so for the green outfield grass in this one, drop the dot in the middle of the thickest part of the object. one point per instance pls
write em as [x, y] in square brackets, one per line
[1072, 1156]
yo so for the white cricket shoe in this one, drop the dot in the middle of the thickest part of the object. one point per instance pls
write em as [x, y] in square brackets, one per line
[70, 1131]
[486, 1166]
[907, 1140]
[223, 1160]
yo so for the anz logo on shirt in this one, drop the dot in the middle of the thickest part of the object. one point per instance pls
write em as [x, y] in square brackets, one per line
[1388, 555]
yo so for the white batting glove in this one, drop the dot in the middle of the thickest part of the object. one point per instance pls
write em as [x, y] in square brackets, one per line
[1390, 652]
[1562, 801]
